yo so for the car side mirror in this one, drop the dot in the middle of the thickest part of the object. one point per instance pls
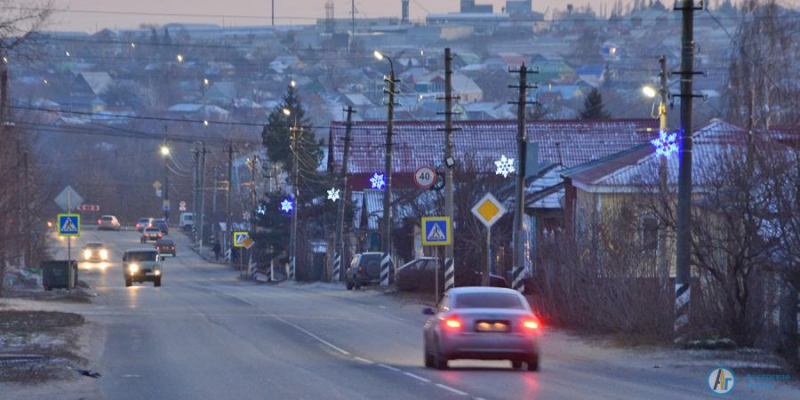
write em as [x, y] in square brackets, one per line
[427, 311]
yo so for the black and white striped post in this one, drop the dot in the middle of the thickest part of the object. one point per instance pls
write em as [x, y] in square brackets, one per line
[518, 279]
[449, 274]
[292, 268]
[386, 269]
[337, 266]
[682, 296]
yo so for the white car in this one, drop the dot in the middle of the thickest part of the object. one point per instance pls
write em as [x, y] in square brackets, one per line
[108, 223]
[186, 221]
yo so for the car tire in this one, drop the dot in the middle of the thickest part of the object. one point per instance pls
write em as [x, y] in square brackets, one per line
[439, 360]
[157, 282]
[357, 284]
[428, 357]
[128, 283]
[516, 364]
[533, 363]
[349, 286]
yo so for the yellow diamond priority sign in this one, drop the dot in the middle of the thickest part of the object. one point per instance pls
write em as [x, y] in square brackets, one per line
[488, 210]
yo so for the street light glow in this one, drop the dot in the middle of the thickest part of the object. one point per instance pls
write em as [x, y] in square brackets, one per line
[378, 55]
[164, 150]
[67, 53]
[649, 91]
[179, 57]
[293, 83]
[206, 82]
[287, 112]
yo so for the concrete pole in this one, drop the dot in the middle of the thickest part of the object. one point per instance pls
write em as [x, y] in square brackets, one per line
[338, 234]
[449, 259]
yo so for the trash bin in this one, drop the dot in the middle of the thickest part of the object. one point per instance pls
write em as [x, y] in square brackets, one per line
[59, 275]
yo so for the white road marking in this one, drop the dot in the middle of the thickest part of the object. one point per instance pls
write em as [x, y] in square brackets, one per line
[383, 307]
[456, 391]
[390, 368]
[319, 339]
[417, 377]
[364, 360]
[131, 376]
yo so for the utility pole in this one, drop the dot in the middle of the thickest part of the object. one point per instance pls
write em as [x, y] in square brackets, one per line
[520, 236]
[214, 198]
[229, 224]
[663, 260]
[386, 237]
[272, 14]
[296, 189]
[449, 161]
[166, 204]
[338, 235]
[202, 200]
[196, 184]
[684, 231]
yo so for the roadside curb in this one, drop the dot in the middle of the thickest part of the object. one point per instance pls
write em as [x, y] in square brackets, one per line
[206, 258]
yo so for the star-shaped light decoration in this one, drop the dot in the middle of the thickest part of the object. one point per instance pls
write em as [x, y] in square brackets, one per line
[261, 210]
[378, 181]
[666, 143]
[287, 205]
[505, 166]
[333, 194]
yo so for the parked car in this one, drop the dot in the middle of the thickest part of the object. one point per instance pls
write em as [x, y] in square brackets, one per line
[186, 222]
[166, 246]
[149, 234]
[108, 223]
[482, 323]
[95, 252]
[365, 269]
[141, 265]
[144, 223]
[162, 225]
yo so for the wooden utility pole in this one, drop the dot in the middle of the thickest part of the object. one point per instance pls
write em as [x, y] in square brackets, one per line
[338, 235]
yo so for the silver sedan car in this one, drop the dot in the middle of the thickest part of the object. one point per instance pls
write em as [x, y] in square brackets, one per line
[482, 323]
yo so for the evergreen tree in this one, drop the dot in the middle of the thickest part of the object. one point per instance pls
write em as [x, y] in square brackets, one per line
[593, 106]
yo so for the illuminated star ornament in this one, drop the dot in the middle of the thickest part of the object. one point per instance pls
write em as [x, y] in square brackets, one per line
[261, 210]
[333, 194]
[287, 206]
[666, 143]
[378, 181]
[505, 166]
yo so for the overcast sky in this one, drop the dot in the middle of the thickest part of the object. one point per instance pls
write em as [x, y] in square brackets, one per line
[256, 11]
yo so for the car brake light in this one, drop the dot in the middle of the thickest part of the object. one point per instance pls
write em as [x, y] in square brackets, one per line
[99, 222]
[531, 325]
[452, 323]
[360, 270]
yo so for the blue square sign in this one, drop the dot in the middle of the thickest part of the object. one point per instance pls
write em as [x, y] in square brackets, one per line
[436, 231]
[69, 224]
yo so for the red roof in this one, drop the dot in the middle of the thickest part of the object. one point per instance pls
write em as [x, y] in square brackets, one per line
[421, 143]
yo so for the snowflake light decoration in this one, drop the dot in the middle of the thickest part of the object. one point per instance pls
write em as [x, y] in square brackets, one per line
[666, 143]
[261, 210]
[287, 205]
[505, 166]
[333, 194]
[378, 181]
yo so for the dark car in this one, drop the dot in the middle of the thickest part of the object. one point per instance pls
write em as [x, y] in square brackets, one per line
[140, 265]
[482, 323]
[151, 234]
[166, 246]
[162, 225]
[144, 223]
[365, 269]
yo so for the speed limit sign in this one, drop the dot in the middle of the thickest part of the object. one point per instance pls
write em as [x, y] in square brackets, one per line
[425, 177]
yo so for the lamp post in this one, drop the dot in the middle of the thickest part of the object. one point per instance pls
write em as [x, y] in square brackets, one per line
[293, 232]
[165, 153]
[386, 261]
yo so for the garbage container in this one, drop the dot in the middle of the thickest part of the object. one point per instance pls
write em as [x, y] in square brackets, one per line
[59, 275]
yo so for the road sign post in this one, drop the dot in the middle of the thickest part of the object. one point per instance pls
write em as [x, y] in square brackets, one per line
[488, 210]
[66, 200]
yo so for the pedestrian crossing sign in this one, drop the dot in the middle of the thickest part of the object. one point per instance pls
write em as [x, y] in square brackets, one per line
[69, 224]
[239, 239]
[437, 231]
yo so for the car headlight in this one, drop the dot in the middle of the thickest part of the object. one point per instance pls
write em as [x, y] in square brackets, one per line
[104, 254]
[158, 272]
[87, 254]
[133, 268]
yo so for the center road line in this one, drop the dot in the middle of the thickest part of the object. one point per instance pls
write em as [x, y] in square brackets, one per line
[319, 339]
[456, 391]
[389, 367]
[364, 360]
[417, 377]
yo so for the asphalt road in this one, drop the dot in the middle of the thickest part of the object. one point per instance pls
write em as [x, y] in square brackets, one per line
[205, 334]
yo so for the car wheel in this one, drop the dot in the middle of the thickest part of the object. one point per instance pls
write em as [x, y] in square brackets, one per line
[428, 356]
[128, 283]
[439, 360]
[357, 284]
[516, 364]
[349, 286]
[533, 363]
[157, 282]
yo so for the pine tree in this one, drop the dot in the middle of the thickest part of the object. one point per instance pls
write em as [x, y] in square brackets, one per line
[593, 106]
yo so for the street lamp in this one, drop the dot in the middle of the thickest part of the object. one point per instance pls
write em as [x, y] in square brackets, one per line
[206, 82]
[293, 83]
[386, 260]
[287, 112]
[179, 57]
[649, 91]
[164, 151]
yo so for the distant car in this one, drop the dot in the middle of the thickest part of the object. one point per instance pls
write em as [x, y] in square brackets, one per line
[482, 323]
[186, 221]
[162, 225]
[140, 265]
[95, 252]
[108, 223]
[144, 223]
[365, 269]
[166, 246]
[149, 234]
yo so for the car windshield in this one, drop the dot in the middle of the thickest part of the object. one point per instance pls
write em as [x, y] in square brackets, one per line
[488, 300]
[152, 230]
[93, 245]
[188, 217]
[164, 242]
[144, 219]
[142, 256]
[107, 218]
